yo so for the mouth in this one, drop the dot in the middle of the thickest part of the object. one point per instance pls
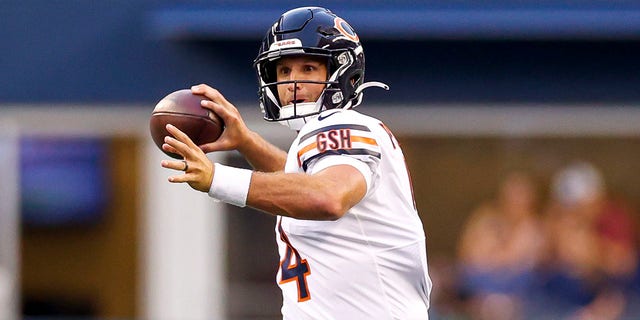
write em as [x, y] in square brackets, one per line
[297, 101]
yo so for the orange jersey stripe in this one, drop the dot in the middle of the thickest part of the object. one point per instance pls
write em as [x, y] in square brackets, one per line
[314, 145]
[305, 149]
[366, 140]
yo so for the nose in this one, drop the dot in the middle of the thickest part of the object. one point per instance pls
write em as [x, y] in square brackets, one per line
[293, 76]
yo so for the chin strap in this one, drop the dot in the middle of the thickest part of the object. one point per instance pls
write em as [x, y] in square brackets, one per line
[358, 92]
[297, 123]
[371, 84]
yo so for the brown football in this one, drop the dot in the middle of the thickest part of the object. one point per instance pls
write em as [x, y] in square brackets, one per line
[183, 110]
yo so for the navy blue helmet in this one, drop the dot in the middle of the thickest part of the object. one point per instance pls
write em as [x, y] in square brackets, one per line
[312, 31]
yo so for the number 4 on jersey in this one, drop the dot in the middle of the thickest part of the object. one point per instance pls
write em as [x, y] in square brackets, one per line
[294, 268]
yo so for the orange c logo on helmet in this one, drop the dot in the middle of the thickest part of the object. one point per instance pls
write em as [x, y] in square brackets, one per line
[345, 29]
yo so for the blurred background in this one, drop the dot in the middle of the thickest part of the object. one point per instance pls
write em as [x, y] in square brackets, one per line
[519, 122]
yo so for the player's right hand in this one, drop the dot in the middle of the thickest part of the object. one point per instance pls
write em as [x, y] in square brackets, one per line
[235, 132]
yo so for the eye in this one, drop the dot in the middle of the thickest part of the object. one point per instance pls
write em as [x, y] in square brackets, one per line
[310, 68]
[283, 71]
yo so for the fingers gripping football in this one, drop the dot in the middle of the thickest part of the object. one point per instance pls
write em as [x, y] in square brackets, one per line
[196, 169]
[236, 131]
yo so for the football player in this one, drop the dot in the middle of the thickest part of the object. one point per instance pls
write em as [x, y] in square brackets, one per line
[350, 240]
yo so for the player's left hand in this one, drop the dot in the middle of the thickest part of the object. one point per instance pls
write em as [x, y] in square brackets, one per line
[197, 168]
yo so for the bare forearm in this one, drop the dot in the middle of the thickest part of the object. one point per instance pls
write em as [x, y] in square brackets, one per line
[262, 155]
[324, 196]
[289, 195]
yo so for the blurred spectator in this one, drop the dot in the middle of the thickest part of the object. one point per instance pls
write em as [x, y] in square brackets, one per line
[500, 247]
[592, 261]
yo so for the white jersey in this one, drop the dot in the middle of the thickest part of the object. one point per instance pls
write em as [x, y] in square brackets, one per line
[371, 263]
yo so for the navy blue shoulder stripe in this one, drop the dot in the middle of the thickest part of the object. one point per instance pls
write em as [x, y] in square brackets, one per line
[362, 152]
[335, 127]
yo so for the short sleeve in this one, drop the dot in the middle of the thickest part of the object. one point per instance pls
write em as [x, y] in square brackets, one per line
[339, 139]
[340, 160]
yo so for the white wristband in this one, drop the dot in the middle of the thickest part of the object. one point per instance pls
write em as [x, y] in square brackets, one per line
[230, 184]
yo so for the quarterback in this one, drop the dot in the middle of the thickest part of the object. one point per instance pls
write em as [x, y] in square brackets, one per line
[350, 240]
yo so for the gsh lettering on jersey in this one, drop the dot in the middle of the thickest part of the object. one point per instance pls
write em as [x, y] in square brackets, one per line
[334, 139]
